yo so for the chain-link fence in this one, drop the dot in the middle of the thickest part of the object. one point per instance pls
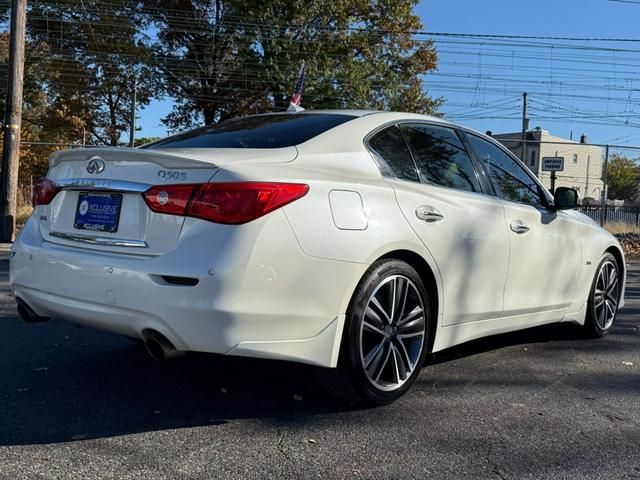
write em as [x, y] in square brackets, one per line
[607, 177]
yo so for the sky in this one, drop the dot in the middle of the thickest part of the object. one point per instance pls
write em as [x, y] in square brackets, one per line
[574, 87]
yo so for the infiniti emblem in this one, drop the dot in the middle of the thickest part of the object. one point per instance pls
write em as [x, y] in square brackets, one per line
[96, 165]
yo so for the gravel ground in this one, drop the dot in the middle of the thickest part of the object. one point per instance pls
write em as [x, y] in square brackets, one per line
[630, 243]
[543, 403]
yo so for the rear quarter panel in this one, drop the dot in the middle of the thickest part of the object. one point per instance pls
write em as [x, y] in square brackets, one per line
[316, 230]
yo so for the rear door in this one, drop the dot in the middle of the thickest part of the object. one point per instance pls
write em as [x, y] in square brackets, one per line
[544, 245]
[440, 194]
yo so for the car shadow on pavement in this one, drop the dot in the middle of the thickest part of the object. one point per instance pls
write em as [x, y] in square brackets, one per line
[561, 335]
[62, 383]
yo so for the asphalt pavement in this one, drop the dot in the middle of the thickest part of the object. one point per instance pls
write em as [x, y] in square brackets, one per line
[542, 403]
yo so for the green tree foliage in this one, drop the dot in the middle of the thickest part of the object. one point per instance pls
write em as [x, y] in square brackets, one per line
[98, 52]
[623, 175]
[33, 157]
[144, 140]
[215, 58]
[223, 58]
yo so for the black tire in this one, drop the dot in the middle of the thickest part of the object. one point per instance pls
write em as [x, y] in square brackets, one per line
[400, 338]
[596, 325]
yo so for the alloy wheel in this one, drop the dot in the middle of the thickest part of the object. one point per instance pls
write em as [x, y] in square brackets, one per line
[606, 295]
[392, 333]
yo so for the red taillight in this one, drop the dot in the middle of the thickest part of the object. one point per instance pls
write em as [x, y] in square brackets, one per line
[229, 203]
[43, 192]
[171, 199]
[235, 203]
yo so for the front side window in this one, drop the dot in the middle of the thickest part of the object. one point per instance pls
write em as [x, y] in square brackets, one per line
[510, 181]
[441, 157]
[392, 154]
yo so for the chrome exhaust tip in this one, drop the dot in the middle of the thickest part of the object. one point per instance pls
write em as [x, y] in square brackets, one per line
[161, 349]
[27, 314]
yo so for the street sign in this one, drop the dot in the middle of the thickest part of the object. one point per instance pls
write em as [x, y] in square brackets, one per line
[552, 164]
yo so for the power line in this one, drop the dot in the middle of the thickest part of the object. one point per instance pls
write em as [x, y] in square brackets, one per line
[569, 55]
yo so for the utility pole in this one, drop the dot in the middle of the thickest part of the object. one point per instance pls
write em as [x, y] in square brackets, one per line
[525, 127]
[605, 188]
[132, 119]
[12, 121]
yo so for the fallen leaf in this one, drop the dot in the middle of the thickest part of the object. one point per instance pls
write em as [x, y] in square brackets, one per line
[42, 369]
[628, 364]
[223, 390]
[309, 440]
[297, 398]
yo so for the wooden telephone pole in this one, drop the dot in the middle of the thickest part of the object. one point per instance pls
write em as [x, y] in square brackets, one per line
[13, 119]
[525, 127]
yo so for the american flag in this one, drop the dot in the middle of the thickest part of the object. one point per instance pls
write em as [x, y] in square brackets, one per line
[296, 98]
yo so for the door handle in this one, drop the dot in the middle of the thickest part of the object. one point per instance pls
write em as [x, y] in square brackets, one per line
[429, 214]
[518, 226]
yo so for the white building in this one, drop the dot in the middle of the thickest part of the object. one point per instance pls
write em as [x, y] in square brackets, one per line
[583, 163]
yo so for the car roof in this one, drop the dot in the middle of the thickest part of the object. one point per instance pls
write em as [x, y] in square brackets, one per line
[362, 113]
[349, 136]
[350, 112]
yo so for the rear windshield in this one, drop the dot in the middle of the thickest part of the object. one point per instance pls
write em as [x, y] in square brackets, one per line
[261, 131]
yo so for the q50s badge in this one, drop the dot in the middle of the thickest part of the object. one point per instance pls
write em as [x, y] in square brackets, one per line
[172, 175]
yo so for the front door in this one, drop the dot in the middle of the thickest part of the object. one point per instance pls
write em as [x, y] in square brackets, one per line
[544, 245]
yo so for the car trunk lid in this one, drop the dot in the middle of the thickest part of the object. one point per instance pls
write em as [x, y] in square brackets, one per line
[101, 206]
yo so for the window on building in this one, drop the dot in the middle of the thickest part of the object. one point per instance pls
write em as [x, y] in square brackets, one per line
[575, 158]
[532, 162]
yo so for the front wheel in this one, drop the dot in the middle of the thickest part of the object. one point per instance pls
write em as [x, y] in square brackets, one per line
[385, 336]
[604, 298]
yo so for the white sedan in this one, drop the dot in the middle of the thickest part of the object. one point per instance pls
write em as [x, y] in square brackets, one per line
[354, 241]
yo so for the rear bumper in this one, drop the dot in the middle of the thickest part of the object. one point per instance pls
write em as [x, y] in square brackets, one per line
[257, 295]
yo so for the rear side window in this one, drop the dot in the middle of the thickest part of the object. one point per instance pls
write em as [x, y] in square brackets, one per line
[260, 131]
[441, 157]
[392, 154]
[510, 181]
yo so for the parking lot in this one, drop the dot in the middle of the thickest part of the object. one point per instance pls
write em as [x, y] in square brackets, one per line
[543, 403]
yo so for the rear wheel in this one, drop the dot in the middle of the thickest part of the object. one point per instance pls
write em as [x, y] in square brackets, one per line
[385, 336]
[604, 298]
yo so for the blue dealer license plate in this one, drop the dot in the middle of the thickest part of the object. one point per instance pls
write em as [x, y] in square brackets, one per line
[98, 212]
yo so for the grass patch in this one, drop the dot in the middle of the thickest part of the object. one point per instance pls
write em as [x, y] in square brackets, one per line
[621, 228]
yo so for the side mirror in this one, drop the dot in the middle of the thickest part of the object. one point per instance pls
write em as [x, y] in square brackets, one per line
[565, 198]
